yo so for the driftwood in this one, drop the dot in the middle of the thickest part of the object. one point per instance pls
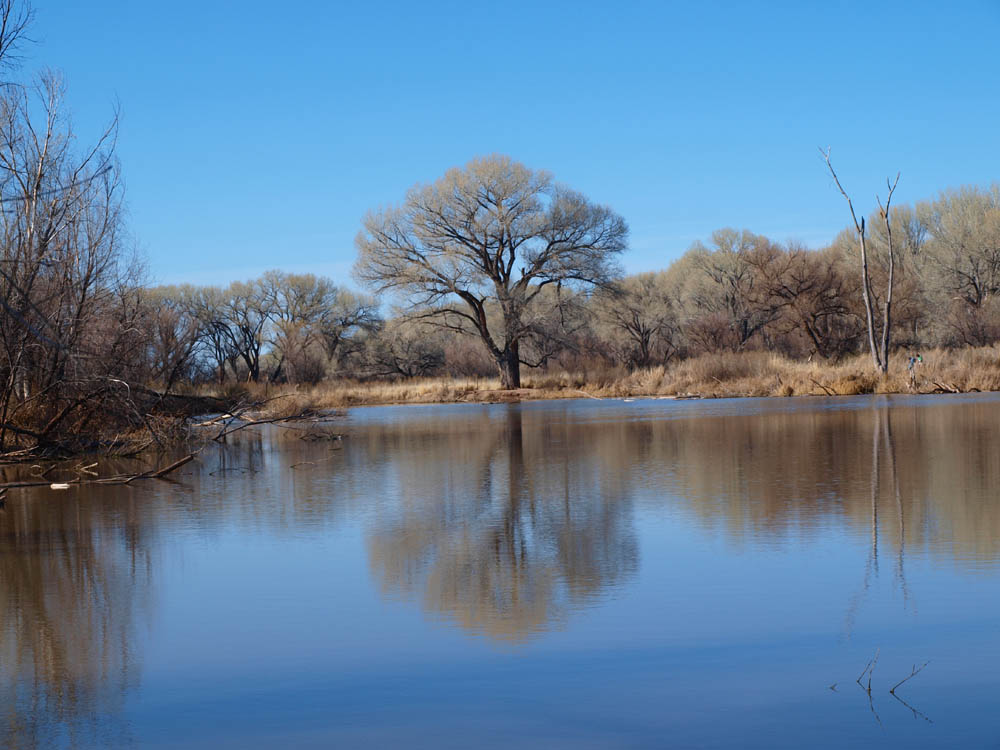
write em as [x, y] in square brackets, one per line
[117, 479]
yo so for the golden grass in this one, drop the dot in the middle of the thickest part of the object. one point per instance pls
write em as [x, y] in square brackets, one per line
[708, 376]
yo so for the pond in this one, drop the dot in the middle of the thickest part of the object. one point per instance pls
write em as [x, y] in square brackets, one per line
[584, 574]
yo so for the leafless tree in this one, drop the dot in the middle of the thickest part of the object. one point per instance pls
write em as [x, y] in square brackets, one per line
[404, 348]
[493, 233]
[63, 333]
[172, 333]
[730, 293]
[810, 291]
[316, 324]
[15, 18]
[880, 354]
[247, 310]
[640, 321]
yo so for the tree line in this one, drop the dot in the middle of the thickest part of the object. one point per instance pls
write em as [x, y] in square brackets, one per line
[491, 267]
[736, 291]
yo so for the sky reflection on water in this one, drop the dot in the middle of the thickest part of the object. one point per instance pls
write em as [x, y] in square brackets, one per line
[576, 573]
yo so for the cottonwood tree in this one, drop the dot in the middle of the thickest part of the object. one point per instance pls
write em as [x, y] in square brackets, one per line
[638, 320]
[492, 234]
[404, 348]
[812, 294]
[215, 348]
[247, 311]
[315, 322]
[880, 353]
[723, 300]
[172, 333]
[962, 259]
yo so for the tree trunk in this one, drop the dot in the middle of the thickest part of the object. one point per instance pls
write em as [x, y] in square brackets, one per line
[887, 317]
[866, 294]
[509, 363]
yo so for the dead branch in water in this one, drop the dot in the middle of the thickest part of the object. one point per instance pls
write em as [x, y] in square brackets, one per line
[869, 668]
[913, 673]
[305, 415]
[117, 479]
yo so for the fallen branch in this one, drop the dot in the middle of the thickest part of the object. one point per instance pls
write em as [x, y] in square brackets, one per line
[301, 416]
[117, 479]
[40, 474]
[175, 465]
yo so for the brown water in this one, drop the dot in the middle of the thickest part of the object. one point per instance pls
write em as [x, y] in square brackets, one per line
[563, 574]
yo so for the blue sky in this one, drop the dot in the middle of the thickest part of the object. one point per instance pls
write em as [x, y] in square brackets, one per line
[256, 135]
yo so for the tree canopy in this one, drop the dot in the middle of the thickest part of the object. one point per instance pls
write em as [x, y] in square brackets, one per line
[474, 251]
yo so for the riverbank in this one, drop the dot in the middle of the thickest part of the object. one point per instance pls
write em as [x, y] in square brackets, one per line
[728, 375]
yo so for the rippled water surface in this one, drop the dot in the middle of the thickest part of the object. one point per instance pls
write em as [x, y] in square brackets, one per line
[581, 574]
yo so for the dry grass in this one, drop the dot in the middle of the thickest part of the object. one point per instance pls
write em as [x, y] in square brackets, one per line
[708, 376]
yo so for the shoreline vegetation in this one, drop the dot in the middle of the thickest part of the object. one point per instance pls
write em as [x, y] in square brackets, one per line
[722, 375]
[495, 282]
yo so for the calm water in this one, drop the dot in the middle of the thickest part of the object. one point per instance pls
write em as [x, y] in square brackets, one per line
[581, 574]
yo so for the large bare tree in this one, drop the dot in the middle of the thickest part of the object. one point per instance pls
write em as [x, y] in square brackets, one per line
[475, 250]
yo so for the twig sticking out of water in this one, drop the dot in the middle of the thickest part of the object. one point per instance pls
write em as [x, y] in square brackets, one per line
[869, 668]
[913, 673]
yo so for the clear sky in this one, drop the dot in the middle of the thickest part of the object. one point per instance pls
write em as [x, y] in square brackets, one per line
[255, 135]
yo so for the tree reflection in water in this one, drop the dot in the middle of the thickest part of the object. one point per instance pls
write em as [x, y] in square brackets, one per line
[504, 529]
[504, 523]
[77, 570]
[73, 576]
[503, 519]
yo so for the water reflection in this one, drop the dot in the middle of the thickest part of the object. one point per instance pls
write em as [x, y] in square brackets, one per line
[505, 520]
[784, 475]
[72, 582]
[78, 572]
[502, 528]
